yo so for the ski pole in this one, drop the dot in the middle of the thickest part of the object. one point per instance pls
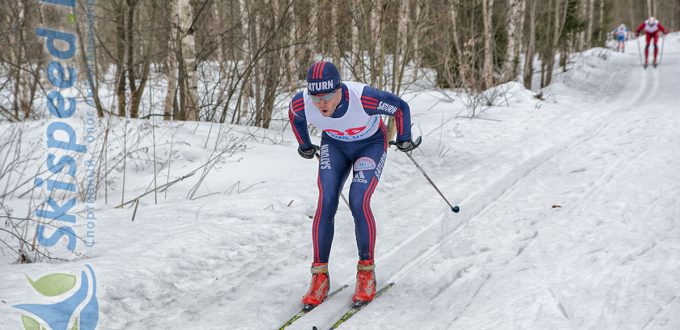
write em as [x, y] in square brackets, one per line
[318, 157]
[639, 51]
[663, 43]
[455, 209]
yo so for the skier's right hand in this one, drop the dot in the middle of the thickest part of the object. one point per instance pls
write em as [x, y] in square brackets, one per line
[308, 153]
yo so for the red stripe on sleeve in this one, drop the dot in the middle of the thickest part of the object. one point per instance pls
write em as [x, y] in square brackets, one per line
[291, 117]
[400, 121]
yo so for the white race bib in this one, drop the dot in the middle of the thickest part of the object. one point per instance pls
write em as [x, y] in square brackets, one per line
[355, 125]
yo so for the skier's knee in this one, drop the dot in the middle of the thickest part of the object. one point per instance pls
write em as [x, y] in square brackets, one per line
[329, 200]
[356, 204]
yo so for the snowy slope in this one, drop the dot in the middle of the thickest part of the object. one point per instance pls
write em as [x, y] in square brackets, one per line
[604, 146]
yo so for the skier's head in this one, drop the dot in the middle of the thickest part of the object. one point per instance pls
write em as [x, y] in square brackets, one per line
[651, 20]
[322, 77]
[323, 82]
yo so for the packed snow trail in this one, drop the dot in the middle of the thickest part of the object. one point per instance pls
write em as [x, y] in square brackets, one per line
[606, 256]
[636, 138]
[569, 212]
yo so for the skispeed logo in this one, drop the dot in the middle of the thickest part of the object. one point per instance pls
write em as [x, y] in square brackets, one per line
[320, 86]
[324, 157]
[80, 310]
[359, 177]
[379, 168]
[387, 108]
[364, 164]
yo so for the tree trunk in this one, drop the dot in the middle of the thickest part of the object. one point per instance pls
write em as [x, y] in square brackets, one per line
[244, 99]
[335, 42]
[581, 43]
[417, 42]
[462, 67]
[91, 72]
[356, 45]
[136, 91]
[186, 17]
[171, 62]
[376, 41]
[398, 58]
[120, 58]
[529, 56]
[487, 12]
[271, 71]
[557, 29]
[514, 35]
[600, 35]
[292, 50]
[631, 10]
[399, 53]
[589, 34]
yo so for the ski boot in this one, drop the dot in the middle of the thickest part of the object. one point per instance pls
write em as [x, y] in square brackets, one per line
[318, 289]
[365, 289]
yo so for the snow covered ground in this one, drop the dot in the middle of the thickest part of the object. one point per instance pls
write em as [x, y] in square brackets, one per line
[569, 218]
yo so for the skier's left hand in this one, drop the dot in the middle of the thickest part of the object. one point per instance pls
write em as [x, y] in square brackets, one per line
[308, 153]
[408, 145]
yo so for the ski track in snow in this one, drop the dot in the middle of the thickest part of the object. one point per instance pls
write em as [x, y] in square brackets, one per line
[621, 121]
[604, 147]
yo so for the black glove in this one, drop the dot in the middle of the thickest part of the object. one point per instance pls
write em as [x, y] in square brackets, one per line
[309, 152]
[407, 145]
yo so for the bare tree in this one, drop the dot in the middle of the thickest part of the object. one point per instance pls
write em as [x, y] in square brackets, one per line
[487, 13]
[530, 49]
[188, 48]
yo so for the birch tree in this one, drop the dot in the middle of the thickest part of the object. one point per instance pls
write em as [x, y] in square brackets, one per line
[514, 36]
[188, 45]
[171, 63]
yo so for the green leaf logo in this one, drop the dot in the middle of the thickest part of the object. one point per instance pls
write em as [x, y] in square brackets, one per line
[53, 284]
[30, 323]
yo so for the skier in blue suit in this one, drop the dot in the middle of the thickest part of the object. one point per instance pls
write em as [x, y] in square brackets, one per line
[621, 34]
[354, 138]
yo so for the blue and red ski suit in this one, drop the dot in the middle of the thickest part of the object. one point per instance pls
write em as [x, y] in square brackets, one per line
[340, 153]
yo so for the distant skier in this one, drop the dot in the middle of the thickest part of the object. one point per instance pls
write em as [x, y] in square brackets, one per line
[354, 138]
[652, 28]
[621, 34]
